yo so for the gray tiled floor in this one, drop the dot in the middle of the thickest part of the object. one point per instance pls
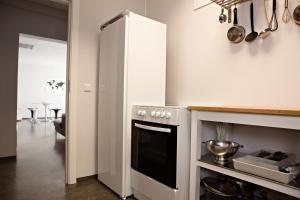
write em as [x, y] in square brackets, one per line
[38, 171]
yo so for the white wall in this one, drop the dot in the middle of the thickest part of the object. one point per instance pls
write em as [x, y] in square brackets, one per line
[203, 67]
[45, 62]
[92, 13]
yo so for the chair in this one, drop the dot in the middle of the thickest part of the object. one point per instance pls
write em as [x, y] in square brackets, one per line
[60, 125]
[34, 113]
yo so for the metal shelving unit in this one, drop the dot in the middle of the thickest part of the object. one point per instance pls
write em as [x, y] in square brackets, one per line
[202, 131]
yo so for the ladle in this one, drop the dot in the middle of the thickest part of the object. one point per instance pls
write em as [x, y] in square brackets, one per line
[253, 35]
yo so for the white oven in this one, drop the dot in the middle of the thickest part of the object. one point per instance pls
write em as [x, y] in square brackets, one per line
[160, 152]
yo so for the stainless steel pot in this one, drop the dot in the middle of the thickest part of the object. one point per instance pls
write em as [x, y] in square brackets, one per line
[236, 33]
[222, 150]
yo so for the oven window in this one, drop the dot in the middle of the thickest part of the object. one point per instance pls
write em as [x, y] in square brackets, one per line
[154, 151]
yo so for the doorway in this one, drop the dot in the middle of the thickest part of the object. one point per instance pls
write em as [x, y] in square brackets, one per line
[45, 21]
[41, 135]
[41, 107]
[41, 79]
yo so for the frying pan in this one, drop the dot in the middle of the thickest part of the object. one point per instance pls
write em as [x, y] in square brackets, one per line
[253, 35]
[236, 33]
[296, 15]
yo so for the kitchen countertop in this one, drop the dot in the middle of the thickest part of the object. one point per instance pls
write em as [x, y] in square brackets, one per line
[250, 110]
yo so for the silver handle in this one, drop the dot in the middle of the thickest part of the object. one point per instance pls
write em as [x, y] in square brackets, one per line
[152, 128]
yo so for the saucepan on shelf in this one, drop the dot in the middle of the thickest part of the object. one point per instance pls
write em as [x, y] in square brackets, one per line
[227, 188]
[220, 189]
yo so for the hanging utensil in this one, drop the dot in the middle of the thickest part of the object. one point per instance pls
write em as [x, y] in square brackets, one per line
[273, 22]
[266, 5]
[296, 15]
[229, 15]
[236, 33]
[253, 35]
[286, 17]
[266, 32]
[222, 16]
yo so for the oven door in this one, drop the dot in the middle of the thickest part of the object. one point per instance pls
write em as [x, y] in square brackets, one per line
[154, 151]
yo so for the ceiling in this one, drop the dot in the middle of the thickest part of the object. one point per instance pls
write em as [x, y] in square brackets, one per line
[58, 4]
[45, 52]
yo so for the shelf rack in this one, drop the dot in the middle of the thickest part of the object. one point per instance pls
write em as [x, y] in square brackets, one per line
[292, 189]
[228, 3]
[260, 117]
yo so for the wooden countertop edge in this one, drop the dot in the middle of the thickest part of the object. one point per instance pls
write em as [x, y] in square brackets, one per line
[250, 110]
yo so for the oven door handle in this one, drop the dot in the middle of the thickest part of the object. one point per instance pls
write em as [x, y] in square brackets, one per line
[152, 128]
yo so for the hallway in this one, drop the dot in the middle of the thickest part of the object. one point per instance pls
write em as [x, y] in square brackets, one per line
[38, 171]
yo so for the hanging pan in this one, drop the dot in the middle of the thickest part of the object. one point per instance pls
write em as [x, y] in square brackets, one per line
[236, 33]
[296, 15]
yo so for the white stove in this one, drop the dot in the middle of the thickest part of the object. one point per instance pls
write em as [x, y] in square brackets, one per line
[160, 152]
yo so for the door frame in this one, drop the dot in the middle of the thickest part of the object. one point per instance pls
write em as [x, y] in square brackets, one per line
[71, 93]
[71, 107]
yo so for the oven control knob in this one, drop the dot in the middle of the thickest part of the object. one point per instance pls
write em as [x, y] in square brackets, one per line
[157, 114]
[139, 113]
[168, 115]
[162, 114]
[153, 114]
[143, 113]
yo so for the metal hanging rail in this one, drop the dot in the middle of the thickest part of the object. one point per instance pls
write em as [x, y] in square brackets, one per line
[228, 3]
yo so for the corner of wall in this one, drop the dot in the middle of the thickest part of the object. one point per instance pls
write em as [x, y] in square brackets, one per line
[145, 9]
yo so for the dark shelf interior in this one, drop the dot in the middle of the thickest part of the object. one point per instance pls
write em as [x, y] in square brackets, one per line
[295, 184]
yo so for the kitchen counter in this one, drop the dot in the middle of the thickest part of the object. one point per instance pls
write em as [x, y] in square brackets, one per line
[250, 110]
